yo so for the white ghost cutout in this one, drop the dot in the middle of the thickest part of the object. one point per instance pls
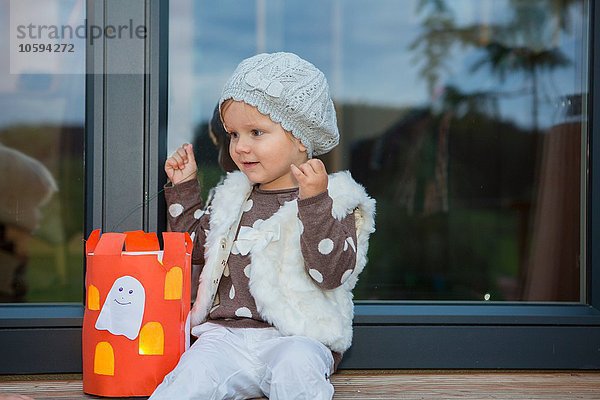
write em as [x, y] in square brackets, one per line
[123, 308]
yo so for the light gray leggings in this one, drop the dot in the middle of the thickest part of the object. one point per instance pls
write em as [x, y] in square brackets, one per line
[244, 363]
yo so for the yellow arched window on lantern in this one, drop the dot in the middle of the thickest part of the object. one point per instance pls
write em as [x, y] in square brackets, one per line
[152, 340]
[104, 359]
[93, 298]
[174, 284]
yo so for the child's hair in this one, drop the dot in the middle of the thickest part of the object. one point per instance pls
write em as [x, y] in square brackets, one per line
[292, 92]
[220, 138]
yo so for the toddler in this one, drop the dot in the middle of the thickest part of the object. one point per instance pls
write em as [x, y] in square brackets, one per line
[280, 246]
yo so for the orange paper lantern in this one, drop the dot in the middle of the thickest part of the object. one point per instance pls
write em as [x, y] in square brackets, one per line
[136, 320]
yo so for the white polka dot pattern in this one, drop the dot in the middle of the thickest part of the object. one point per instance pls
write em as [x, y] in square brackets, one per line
[351, 242]
[346, 275]
[316, 275]
[248, 205]
[243, 312]
[175, 210]
[323, 238]
[325, 246]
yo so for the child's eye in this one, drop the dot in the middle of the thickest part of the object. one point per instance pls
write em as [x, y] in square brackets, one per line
[232, 135]
[256, 132]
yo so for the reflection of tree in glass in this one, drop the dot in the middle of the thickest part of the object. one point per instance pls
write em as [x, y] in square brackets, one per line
[477, 169]
[504, 59]
[526, 42]
[432, 46]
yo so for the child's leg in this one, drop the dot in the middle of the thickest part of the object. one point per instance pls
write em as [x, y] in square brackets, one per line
[215, 367]
[297, 368]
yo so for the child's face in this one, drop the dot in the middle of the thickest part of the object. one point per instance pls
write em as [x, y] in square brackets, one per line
[261, 148]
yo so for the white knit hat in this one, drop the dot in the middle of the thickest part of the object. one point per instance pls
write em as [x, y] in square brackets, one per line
[292, 92]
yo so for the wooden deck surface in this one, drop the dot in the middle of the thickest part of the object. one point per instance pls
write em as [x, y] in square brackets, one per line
[392, 385]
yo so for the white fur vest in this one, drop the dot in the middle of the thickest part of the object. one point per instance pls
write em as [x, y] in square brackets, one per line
[285, 294]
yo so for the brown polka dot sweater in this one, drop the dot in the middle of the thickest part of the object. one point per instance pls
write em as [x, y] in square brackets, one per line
[328, 245]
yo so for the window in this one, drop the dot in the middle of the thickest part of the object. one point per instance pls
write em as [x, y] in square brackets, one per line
[41, 161]
[122, 149]
[464, 119]
[468, 122]
[487, 105]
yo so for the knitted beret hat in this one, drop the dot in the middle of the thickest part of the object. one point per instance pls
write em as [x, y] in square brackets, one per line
[292, 92]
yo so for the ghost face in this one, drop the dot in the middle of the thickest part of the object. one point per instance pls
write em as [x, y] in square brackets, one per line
[123, 310]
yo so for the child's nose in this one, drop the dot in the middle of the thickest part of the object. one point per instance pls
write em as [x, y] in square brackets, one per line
[242, 145]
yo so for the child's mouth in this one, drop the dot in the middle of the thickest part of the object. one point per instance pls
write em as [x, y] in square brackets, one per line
[249, 164]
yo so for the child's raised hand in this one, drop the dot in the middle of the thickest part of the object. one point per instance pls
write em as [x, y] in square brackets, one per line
[312, 178]
[181, 166]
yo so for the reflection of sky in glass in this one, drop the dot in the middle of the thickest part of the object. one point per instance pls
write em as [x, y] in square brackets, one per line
[41, 98]
[362, 47]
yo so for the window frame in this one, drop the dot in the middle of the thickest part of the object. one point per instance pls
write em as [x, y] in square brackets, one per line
[395, 335]
[134, 118]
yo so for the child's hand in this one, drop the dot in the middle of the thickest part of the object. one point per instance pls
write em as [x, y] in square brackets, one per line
[181, 166]
[312, 178]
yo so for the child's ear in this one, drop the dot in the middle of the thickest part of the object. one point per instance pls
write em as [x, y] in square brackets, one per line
[301, 145]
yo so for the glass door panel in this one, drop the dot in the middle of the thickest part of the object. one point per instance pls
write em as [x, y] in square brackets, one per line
[465, 119]
[41, 156]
